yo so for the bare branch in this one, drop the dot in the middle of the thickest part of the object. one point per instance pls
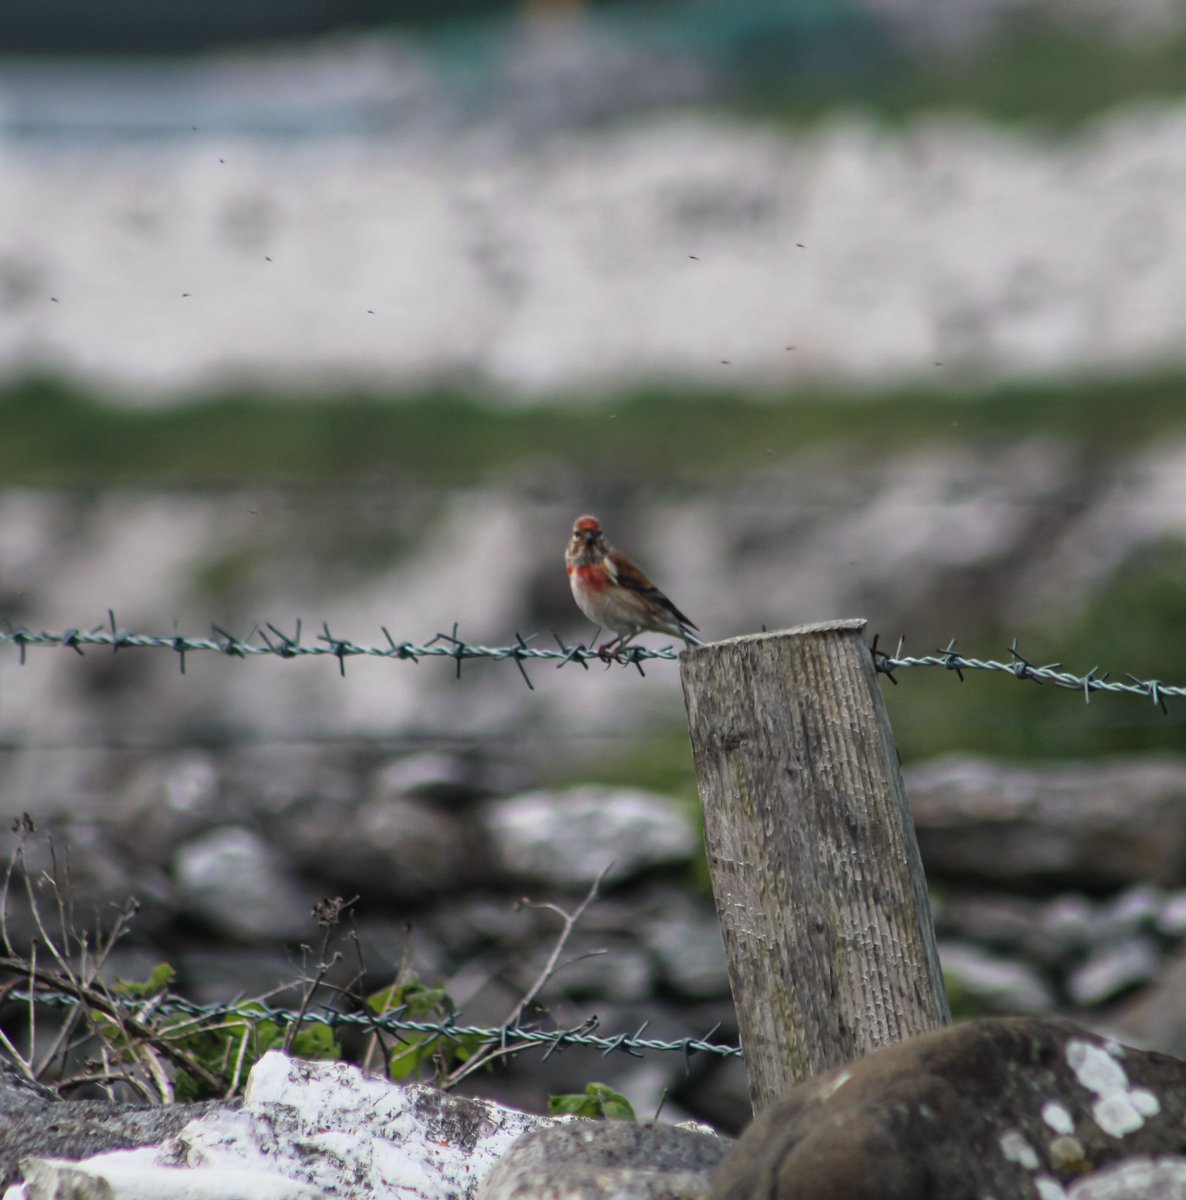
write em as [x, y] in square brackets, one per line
[489, 1053]
[329, 915]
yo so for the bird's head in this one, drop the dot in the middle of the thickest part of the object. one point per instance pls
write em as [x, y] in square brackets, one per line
[586, 535]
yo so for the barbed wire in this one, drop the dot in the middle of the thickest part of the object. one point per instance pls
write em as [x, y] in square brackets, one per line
[1019, 667]
[396, 1021]
[270, 640]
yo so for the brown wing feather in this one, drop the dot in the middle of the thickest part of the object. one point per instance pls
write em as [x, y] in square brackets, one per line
[633, 578]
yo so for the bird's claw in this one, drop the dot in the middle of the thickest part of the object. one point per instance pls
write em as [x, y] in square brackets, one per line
[613, 652]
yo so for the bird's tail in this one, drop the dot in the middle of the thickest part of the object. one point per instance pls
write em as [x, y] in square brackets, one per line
[689, 637]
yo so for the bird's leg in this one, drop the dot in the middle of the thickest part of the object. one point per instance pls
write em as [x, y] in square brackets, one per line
[623, 642]
[603, 651]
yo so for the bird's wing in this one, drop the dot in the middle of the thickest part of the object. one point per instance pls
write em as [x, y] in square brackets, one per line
[633, 579]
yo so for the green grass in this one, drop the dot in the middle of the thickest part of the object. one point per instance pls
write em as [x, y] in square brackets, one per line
[52, 435]
[1131, 624]
[1057, 76]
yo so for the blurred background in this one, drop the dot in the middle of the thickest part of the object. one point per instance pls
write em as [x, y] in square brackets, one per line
[343, 312]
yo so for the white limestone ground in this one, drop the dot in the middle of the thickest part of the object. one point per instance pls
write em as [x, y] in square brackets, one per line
[305, 1130]
[685, 248]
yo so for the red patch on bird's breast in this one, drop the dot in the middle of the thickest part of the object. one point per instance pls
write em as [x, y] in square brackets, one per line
[593, 578]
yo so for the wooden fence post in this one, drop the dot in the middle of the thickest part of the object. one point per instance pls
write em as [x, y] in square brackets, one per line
[816, 873]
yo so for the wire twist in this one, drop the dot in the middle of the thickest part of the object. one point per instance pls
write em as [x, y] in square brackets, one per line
[396, 1022]
[272, 641]
[1019, 667]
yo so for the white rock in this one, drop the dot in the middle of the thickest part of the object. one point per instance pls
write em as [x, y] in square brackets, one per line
[306, 1129]
[1113, 968]
[1136, 1178]
[236, 882]
[571, 836]
[563, 266]
[111, 1178]
[1004, 984]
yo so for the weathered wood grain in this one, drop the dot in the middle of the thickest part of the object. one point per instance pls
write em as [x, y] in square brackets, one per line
[816, 872]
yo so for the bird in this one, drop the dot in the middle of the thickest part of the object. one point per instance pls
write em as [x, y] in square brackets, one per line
[615, 594]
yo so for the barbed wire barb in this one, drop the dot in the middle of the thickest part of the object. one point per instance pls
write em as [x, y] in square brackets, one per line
[287, 644]
[396, 1022]
[703, 1043]
[1020, 667]
[270, 640]
[571, 653]
[952, 660]
[1152, 688]
[338, 647]
[519, 661]
[71, 639]
[633, 659]
[881, 658]
[402, 650]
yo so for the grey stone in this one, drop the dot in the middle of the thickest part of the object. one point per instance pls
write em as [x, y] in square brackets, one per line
[77, 861]
[1009, 1107]
[997, 985]
[595, 967]
[443, 778]
[587, 1160]
[234, 881]
[602, 958]
[220, 973]
[1005, 312]
[1138, 1178]
[685, 939]
[304, 1129]
[567, 838]
[1070, 920]
[472, 922]
[274, 783]
[395, 847]
[997, 921]
[166, 802]
[1156, 1016]
[36, 1123]
[1113, 969]
[1134, 909]
[19, 1093]
[1104, 825]
[385, 942]
[1171, 917]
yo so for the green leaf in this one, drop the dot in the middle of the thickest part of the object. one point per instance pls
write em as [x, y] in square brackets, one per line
[316, 1041]
[158, 980]
[407, 1059]
[186, 1089]
[417, 1002]
[598, 1100]
[408, 992]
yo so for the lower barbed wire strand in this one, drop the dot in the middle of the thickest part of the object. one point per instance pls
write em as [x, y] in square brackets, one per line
[394, 1023]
